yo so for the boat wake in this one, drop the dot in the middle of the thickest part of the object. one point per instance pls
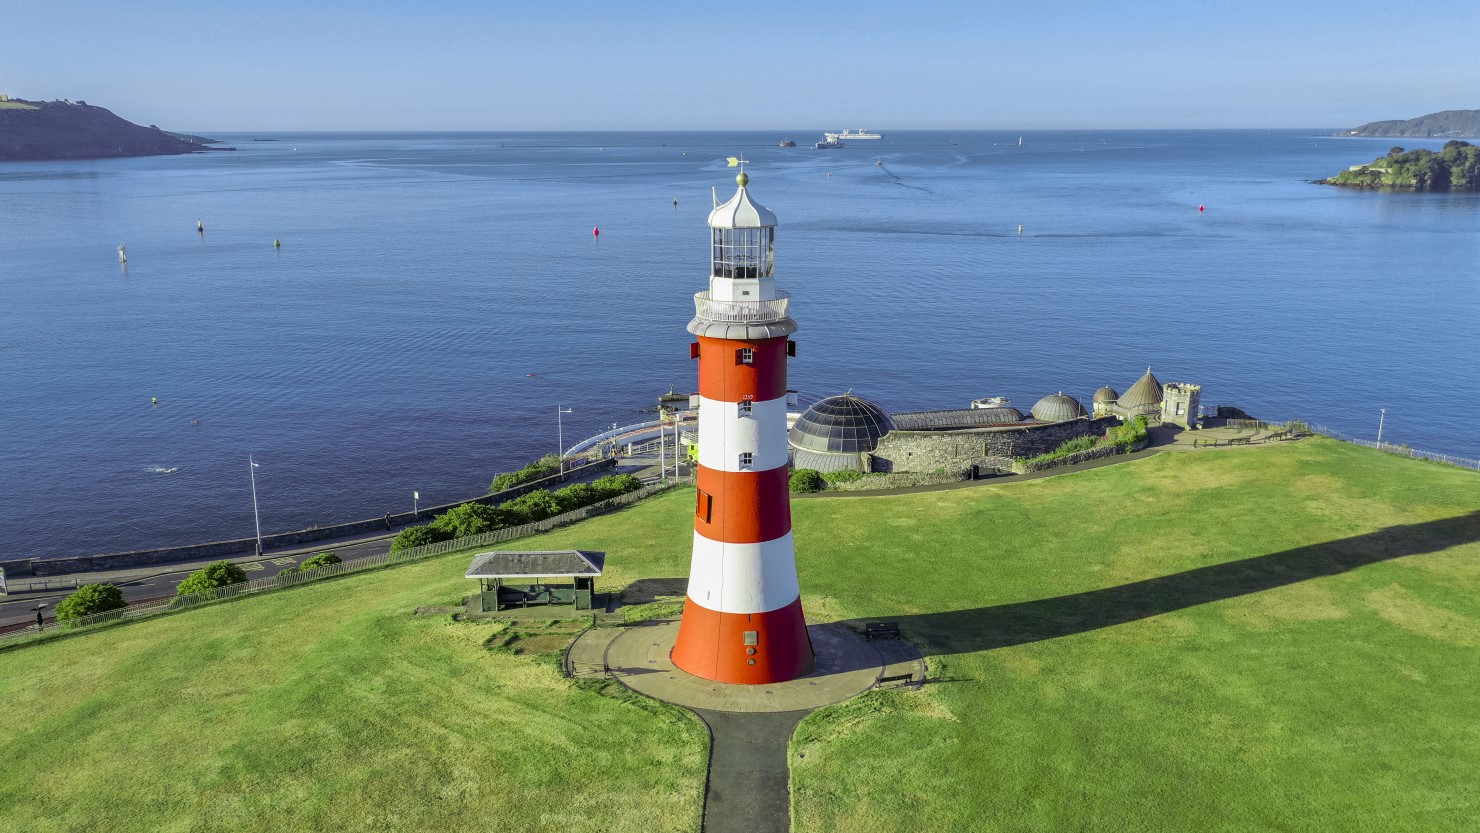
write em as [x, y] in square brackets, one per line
[161, 469]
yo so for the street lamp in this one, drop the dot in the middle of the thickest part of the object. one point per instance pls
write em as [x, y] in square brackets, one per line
[1382, 417]
[38, 608]
[252, 471]
[415, 512]
[560, 437]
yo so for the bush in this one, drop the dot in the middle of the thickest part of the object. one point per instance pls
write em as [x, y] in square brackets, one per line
[323, 559]
[577, 495]
[210, 577]
[547, 466]
[841, 476]
[804, 481]
[89, 599]
[419, 536]
[469, 519]
[535, 506]
[616, 484]
[1129, 433]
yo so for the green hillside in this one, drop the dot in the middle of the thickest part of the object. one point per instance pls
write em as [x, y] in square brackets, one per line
[1454, 168]
[1262, 639]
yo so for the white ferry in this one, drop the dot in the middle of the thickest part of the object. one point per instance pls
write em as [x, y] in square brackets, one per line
[846, 134]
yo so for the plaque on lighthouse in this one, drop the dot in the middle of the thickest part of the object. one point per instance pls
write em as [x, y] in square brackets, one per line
[742, 620]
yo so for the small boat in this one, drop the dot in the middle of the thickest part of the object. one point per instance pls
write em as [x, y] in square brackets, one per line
[827, 144]
[787, 143]
[1020, 141]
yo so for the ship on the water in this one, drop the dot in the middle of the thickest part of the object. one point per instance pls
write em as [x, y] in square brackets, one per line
[846, 134]
[787, 143]
[828, 143]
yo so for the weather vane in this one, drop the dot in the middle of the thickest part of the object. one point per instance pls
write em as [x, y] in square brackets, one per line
[738, 160]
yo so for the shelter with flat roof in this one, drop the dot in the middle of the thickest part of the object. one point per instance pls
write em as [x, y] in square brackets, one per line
[519, 580]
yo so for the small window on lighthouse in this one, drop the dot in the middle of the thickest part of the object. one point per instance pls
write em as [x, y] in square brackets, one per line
[746, 459]
[744, 406]
[747, 355]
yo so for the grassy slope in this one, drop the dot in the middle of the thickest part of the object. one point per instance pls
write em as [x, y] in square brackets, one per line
[330, 707]
[1344, 702]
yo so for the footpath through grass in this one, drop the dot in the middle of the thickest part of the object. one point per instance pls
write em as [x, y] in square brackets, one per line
[1184, 642]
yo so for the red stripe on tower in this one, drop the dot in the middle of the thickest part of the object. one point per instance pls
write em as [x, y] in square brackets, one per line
[742, 621]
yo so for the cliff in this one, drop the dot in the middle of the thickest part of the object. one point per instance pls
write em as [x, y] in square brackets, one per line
[64, 130]
[1441, 125]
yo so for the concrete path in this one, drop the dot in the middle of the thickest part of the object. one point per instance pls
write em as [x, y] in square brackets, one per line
[750, 726]
[749, 785]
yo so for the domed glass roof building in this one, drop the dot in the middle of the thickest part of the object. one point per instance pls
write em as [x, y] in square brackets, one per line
[1105, 395]
[835, 432]
[1058, 407]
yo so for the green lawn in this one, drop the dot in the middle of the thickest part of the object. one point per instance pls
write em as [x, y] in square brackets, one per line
[1266, 639]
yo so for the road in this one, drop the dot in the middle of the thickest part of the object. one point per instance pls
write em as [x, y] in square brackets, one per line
[140, 584]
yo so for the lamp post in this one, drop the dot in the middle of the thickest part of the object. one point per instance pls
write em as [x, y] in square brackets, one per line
[415, 512]
[1381, 418]
[560, 437]
[256, 517]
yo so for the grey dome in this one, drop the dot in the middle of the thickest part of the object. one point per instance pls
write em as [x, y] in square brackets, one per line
[844, 424]
[1106, 394]
[1058, 407]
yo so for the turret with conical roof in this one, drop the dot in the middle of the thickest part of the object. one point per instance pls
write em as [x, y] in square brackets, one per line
[1142, 397]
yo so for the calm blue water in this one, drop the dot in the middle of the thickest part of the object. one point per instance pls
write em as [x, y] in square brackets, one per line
[387, 346]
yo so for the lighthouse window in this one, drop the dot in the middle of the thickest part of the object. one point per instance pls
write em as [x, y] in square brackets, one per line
[747, 355]
[746, 459]
[706, 505]
[745, 406]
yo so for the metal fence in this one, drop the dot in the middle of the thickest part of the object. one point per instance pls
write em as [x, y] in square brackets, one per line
[1394, 448]
[282, 581]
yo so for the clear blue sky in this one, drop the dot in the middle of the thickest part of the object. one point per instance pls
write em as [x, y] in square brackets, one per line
[376, 65]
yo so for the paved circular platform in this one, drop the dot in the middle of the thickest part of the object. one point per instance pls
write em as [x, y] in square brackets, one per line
[847, 665]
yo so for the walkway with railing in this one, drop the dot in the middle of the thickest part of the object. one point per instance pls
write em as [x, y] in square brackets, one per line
[263, 585]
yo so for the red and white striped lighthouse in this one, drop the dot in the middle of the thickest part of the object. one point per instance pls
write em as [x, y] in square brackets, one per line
[742, 620]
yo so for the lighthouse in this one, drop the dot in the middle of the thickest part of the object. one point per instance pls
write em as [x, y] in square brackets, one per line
[742, 619]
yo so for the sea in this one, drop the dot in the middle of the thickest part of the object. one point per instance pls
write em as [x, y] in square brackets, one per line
[438, 297]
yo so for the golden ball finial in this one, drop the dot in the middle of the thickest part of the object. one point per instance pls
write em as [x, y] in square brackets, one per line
[742, 179]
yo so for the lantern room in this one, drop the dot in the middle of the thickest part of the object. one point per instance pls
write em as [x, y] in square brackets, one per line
[743, 248]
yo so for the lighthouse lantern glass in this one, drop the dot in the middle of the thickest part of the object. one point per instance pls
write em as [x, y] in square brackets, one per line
[744, 252]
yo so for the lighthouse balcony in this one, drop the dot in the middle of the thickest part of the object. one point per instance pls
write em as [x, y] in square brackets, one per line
[742, 312]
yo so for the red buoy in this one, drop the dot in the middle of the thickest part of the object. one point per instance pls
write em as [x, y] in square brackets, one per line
[1199, 209]
[596, 232]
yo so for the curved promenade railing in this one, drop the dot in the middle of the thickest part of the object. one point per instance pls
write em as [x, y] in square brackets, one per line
[280, 582]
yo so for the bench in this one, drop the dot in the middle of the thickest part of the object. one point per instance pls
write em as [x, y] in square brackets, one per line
[897, 678]
[881, 630]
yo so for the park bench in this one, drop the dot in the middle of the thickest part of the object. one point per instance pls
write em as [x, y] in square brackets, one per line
[881, 630]
[897, 678]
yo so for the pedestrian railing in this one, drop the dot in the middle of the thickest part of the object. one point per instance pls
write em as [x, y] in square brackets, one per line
[293, 579]
[1398, 449]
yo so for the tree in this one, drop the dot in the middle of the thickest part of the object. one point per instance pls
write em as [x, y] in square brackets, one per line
[547, 466]
[210, 577]
[807, 480]
[419, 536]
[89, 599]
[577, 495]
[469, 519]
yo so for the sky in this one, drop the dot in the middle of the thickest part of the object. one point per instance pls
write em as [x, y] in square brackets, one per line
[659, 65]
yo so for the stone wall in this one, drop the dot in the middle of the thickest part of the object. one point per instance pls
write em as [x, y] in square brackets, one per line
[224, 549]
[929, 451]
[898, 481]
[1078, 457]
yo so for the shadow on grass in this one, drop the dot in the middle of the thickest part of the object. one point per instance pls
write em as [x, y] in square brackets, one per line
[985, 628]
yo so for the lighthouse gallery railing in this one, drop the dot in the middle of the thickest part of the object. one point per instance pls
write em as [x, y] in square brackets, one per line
[742, 312]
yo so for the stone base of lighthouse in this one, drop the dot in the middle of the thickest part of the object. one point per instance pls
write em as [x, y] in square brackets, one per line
[847, 664]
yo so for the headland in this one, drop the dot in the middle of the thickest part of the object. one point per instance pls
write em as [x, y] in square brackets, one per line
[33, 130]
